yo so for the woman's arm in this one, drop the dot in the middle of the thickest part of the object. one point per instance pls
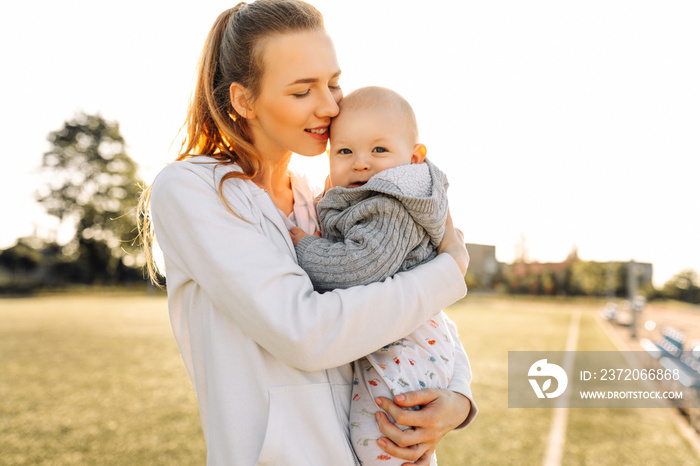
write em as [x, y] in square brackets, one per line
[261, 288]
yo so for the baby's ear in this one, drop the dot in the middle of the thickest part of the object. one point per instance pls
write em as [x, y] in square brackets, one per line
[419, 153]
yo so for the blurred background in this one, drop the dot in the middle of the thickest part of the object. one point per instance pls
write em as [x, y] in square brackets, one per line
[565, 128]
[568, 131]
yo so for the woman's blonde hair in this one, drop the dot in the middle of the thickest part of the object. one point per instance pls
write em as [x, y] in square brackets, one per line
[232, 53]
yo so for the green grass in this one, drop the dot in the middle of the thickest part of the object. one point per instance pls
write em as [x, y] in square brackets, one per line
[489, 328]
[94, 380]
[98, 380]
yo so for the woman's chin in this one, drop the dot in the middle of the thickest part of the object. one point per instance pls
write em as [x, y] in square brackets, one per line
[311, 152]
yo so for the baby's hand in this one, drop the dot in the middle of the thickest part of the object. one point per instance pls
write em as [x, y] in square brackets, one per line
[297, 234]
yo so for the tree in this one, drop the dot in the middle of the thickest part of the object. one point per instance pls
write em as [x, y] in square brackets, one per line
[521, 250]
[21, 258]
[93, 184]
[589, 277]
[549, 283]
[684, 286]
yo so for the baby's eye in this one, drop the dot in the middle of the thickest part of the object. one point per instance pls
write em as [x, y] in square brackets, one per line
[345, 151]
[380, 150]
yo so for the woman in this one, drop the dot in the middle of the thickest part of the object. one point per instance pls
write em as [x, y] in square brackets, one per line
[268, 357]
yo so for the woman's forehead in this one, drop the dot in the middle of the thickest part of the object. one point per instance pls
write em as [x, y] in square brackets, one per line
[298, 57]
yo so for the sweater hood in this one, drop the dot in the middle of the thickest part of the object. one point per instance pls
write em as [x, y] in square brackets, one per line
[421, 189]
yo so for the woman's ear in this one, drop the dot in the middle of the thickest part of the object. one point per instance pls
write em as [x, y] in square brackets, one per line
[419, 153]
[240, 101]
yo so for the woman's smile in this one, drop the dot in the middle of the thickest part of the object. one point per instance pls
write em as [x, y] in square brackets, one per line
[320, 133]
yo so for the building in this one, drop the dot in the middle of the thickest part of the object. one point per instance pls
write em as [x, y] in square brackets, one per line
[569, 276]
[483, 266]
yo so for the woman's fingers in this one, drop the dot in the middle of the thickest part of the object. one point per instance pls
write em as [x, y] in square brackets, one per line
[424, 420]
[425, 459]
[400, 438]
[416, 398]
[453, 244]
[440, 412]
[398, 443]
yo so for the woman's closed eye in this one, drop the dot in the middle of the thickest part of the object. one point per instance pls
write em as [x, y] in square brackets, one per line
[333, 88]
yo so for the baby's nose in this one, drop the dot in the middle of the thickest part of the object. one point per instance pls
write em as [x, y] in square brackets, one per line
[360, 163]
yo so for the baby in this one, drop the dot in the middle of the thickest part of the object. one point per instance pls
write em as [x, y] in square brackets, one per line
[384, 211]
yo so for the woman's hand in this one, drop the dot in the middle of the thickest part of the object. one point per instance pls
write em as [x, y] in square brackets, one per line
[441, 411]
[453, 244]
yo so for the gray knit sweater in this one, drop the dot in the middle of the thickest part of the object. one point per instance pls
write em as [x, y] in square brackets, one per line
[391, 224]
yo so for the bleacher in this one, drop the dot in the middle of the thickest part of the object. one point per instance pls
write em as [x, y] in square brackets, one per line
[669, 345]
[669, 352]
[612, 313]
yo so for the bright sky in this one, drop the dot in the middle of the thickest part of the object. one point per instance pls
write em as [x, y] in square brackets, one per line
[567, 122]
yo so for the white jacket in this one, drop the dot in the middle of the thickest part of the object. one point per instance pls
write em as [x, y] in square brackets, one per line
[269, 357]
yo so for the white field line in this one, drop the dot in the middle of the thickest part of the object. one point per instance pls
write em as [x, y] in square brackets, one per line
[557, 431]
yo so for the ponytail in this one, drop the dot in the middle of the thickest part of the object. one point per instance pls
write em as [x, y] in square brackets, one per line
[232, 53]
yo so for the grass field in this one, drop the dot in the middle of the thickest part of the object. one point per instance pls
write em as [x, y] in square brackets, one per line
[98, 380]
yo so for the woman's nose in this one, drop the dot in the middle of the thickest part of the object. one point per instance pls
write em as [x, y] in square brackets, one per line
[328, 107]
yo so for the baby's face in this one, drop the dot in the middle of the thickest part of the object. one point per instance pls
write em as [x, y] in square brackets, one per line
[366, 141]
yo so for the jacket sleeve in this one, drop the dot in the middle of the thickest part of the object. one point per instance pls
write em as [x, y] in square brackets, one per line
[261, 289]
[374, 247]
